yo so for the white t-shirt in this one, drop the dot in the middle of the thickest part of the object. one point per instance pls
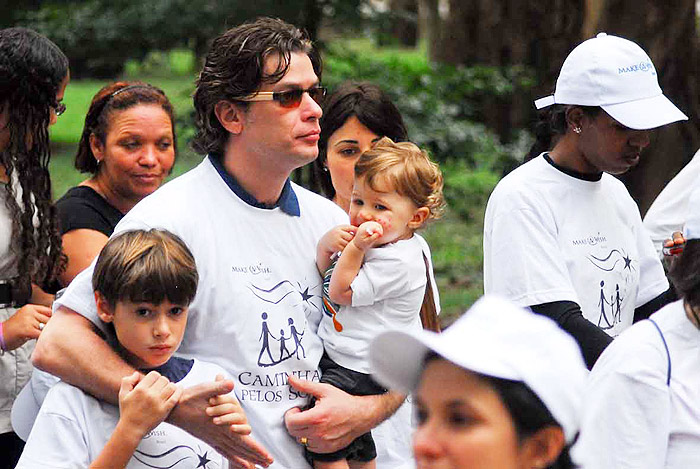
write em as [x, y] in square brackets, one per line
[549, 236]
[632, 418]
[258, 304]
[668, 212]
[386, 295]
[73, 427]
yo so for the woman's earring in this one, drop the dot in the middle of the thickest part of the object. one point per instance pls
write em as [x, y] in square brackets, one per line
[577, 130]
[325, 169]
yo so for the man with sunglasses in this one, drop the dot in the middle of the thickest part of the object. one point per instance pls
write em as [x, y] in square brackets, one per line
[253, 234]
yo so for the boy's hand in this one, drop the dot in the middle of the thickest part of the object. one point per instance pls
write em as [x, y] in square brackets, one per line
[145, 401]
[226, 410]
[367, 235]
[336, 239]
[24, 325]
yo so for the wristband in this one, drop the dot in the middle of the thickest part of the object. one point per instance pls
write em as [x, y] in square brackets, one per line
[3, 347]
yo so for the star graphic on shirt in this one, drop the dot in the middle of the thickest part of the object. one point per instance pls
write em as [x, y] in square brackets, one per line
[305, 295]
[203, 460]
[628, 262]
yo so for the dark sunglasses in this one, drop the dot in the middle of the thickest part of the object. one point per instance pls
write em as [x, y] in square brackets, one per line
[59, 108]
[290, 98]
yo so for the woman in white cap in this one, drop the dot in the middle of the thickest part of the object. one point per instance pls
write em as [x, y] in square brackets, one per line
[642, 400]
[499, 389]
[561, 235]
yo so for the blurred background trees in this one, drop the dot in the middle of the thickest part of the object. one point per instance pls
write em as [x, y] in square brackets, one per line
[464, 74]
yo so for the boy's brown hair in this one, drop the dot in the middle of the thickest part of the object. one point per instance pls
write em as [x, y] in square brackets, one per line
[407, 169]
[146, 267]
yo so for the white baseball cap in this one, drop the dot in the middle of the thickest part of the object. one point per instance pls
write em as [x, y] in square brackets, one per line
[617, 75]
[494, 338]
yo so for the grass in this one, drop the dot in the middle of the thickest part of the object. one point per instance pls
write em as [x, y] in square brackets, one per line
[455, 242]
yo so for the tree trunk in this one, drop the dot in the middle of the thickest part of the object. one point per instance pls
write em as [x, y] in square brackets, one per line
[404, 24]
[429, 26]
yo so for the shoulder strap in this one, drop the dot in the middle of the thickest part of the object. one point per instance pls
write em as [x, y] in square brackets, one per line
[668, 354]
[428, 312]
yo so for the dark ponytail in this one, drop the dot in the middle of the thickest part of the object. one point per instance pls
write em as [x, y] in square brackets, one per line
[551, 125]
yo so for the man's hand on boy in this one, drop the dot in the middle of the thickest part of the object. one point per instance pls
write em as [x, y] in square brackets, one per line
[226, 410]
[145, 401]
[190, 415]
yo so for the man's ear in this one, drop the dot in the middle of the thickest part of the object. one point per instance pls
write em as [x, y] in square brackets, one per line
[419, 217]
[542, 449]
[230, 116]
[104, 310]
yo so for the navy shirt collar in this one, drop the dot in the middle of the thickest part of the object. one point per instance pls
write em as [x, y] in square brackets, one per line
[174, 369]
[287, 201]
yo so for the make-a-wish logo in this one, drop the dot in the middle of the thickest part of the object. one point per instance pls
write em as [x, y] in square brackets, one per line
[590, 240]
[640, 67]
[180, 457]
[276, 348]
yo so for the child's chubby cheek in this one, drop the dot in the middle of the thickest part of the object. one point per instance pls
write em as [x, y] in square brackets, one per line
[385, 224]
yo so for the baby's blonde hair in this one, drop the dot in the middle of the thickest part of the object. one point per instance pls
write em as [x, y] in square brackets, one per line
[407, 169]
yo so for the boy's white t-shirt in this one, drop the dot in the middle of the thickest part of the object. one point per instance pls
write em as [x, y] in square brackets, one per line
[386, 295]
[258, 304]
[549, 236]
[73, 427]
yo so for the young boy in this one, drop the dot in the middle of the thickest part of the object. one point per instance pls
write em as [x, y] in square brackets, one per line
[379, 281]
[143, 283]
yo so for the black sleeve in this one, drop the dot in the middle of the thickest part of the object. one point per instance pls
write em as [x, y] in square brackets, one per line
[646, 310]
[591, 338]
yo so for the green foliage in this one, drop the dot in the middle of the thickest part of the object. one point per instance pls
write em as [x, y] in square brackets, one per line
[440, 103]
[100, 36]
[468, 191]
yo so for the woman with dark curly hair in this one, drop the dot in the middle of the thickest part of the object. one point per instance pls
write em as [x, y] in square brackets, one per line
[33, 78]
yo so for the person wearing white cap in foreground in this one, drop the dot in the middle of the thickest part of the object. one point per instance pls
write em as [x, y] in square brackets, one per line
[499, 389]
[642, 402]
[561, 235]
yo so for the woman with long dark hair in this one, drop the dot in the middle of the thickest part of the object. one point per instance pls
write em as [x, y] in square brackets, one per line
[33, 77]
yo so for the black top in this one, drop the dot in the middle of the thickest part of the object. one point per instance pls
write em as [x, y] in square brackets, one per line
[83, 208]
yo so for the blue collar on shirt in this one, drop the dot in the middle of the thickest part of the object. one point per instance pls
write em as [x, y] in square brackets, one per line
[174, 369]
[287, 201]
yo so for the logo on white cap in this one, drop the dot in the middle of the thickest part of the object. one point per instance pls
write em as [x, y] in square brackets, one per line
[617, 75]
